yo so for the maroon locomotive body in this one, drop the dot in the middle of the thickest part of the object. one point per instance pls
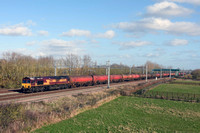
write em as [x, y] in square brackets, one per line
[35, 84]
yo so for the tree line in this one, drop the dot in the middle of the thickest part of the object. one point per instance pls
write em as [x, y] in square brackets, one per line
[15, 66]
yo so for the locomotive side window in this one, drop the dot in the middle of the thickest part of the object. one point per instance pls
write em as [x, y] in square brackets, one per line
[39, 82]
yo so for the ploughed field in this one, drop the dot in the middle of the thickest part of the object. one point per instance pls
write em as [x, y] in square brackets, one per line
[134, 114]
[177, 88]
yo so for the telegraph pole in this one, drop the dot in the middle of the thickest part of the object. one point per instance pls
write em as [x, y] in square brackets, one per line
[146, 72]
[161, 73]
[55, 66]
[170, 73]
[130, 70]
[108, 65]
[143, 69]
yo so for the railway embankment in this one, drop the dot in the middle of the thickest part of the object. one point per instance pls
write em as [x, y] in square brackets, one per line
[25, 117]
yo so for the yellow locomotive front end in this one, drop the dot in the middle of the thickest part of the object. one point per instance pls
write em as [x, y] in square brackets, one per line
[26, 83]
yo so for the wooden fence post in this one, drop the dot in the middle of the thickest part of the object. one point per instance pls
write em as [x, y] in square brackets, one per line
[167, 96]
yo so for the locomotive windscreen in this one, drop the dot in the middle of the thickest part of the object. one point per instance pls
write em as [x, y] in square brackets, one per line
[26, 81]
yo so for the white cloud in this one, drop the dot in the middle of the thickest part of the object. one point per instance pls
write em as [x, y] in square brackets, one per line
[158, 24]
[94, 41]
[152, 55]
[178, 42]
[125, 56]
[132, 44]
[144, 25]
[31, 43]
[56, 47]
[15, 30]
[24, 51]
[195, 2]
[43, 33]
[57, 42]
[187, 28]
[108, 34]
[166, 9]
[76, 32]
[157, 52]
[30, 23]
[194, 55]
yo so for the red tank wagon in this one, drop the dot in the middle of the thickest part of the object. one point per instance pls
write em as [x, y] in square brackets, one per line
[127, 77]
[135, 76]
[149, 75]
[100, 79]
[80, 80]
[116, 78]
[164, 75]
[143, 76]
[157, 75]
[173, 74]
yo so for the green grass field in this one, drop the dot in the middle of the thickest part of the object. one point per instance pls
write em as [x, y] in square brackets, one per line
[186, 81]
[132, 114]
[177, 88]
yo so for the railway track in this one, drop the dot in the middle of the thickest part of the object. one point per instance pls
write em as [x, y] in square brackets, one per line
[14, 96]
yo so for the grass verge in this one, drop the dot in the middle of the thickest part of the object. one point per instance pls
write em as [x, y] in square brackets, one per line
[28, 116]
[132, 114]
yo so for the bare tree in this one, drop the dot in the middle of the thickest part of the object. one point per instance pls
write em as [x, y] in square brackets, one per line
[152, 65]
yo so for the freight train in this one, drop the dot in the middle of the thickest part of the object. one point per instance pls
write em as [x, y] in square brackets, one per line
[37, 84]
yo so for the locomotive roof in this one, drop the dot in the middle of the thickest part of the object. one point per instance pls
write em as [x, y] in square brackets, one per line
[57, 77]
[48, 77]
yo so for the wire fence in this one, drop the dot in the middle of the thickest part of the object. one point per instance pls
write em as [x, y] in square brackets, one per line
[186, 83]
[187, 97]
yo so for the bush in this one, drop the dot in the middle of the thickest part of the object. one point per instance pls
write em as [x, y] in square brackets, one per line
[9, 113]
[188, 76]
[196, 74]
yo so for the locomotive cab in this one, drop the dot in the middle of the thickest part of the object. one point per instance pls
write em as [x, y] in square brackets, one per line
[26, 82]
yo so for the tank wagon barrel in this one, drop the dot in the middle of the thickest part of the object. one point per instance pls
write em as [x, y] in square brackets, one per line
[80, 80]
[100, 79]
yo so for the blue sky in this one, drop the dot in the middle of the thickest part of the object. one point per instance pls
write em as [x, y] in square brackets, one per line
[122, 31]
